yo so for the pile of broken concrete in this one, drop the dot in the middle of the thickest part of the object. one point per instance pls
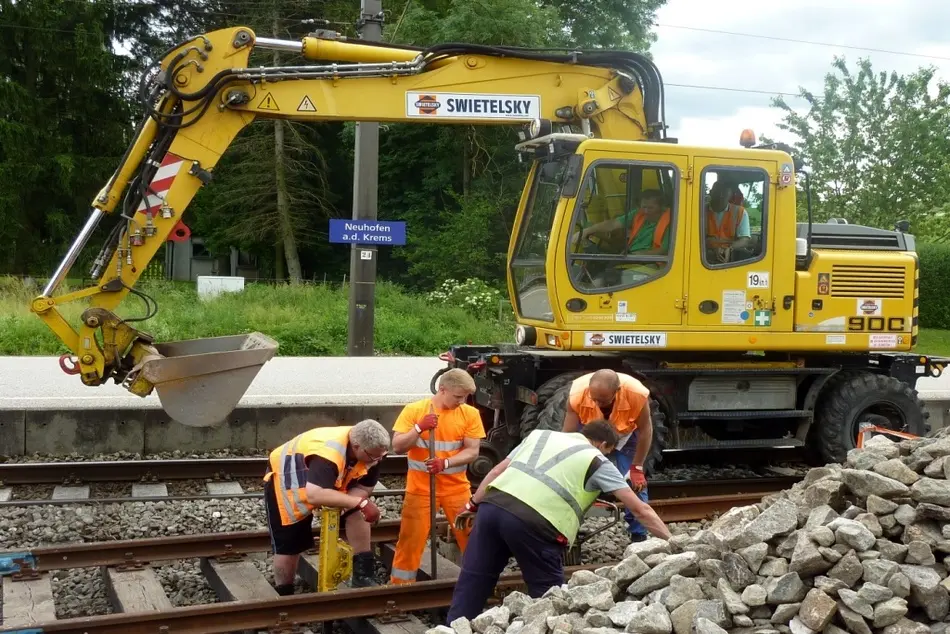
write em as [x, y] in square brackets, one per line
[862, 547]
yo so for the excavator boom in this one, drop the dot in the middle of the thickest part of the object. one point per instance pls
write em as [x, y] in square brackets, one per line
[204, 92]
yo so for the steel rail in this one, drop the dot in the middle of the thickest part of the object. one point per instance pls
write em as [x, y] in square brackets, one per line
[698, 508]
[658, 490]
[12, 473]
[283, 612]
[143, 551]
[165, 498]
[24, 473]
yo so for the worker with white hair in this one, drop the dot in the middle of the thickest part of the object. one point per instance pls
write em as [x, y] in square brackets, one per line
[324, 466]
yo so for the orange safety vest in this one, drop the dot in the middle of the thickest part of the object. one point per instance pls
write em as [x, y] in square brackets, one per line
[725, 231]
[661, 225]
[630, 400]
[449, 440]
[288, 466]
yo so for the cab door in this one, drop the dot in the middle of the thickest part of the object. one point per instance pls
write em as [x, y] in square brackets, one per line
[624, 273]
[731, 257]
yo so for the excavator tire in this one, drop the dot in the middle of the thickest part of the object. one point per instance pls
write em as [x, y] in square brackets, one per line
[552, 406]
[858, 397]
[538, 416]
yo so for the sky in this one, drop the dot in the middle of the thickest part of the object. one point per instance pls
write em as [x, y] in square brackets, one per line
[904, 35]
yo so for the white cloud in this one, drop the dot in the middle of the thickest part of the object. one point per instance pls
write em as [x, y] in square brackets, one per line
[689, 56]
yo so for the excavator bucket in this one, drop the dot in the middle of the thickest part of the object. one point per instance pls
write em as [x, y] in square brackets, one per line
[200, 381]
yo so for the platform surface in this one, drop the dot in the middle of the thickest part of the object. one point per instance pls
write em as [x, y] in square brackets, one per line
[38, 383]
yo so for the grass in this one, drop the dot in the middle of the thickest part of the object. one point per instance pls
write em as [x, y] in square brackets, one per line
[933, 342]
[307, 320]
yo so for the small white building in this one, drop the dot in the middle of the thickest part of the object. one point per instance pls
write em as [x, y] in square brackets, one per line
[186, 260]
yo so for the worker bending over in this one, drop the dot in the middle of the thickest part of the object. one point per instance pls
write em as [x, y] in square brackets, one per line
[531, 505]
[625, 403]
[325, 466]
[458, 429]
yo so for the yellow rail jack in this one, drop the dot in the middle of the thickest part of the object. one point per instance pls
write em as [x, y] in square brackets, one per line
[335, 555]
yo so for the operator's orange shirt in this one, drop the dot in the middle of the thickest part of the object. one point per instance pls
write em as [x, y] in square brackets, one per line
[632, 397]
[454, 426]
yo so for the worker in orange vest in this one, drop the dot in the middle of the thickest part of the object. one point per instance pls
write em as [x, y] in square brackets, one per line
[624, 402]
[324, 466]
[458, 432]
[649, 226]
[727, 224]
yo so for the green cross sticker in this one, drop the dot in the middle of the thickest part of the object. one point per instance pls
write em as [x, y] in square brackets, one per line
[763, 318]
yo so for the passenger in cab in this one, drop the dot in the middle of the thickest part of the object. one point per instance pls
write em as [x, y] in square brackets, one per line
[727, 224]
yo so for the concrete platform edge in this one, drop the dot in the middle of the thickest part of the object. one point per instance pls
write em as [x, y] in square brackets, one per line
[150, 431]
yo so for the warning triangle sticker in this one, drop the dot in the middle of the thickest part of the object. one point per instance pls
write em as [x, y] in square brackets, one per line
[306, 105]
[613, 94]
[269, 103]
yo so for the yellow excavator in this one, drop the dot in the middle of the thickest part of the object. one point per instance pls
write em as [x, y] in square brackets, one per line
[682, 265]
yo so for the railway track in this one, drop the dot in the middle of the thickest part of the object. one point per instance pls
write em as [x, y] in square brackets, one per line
[75, 477]
[245, 597]
[224, 469]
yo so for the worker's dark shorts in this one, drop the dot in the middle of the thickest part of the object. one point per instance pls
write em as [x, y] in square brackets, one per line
[292, 539]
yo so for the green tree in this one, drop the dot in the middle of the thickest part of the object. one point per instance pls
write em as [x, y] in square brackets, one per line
[271, 193]
[877, 147]
[63, 124]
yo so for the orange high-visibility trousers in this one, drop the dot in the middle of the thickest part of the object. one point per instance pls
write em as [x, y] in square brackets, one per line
[414, 531]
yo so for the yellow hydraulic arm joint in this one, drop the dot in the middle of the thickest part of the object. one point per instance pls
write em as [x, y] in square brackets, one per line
[335, 555]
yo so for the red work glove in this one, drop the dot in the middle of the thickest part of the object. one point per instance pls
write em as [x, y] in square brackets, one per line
[437, 465]
[429, 421]
[465, 518]
[638, 480]
[369, 510]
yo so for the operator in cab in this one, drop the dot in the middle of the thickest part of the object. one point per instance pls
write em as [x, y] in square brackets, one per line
[624, 402]
[458, 432]
[727, 224]
[649, 226]
[531, 506]
[325, 466]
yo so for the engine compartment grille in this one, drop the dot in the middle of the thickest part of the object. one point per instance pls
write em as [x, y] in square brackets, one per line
[860, 280]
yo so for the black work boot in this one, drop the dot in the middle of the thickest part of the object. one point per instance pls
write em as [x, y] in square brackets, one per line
[364, 570]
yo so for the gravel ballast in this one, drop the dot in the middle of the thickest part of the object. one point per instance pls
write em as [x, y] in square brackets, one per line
[862, 547]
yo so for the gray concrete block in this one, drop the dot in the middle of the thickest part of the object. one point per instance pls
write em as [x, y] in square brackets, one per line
[275, 425]
[149, 489]
[225, 488]
[71, 492]
[164, 434]
[6, 494]
[12, 432]
[84, 431]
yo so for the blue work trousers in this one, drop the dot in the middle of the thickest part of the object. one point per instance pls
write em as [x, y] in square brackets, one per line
[497, 535]
[622, 459]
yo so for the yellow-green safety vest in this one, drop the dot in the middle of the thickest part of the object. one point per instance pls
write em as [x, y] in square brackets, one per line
[547, 473]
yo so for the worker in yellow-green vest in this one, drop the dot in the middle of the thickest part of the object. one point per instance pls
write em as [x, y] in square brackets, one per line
[531, 505]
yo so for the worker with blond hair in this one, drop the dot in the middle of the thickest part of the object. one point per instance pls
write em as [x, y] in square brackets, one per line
[325, 466]
[624, 402]
[458, 431]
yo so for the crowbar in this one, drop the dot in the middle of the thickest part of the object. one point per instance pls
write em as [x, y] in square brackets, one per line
[432, 552]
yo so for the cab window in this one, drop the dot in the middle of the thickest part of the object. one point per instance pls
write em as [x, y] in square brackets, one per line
[623, 226]
[733, 217]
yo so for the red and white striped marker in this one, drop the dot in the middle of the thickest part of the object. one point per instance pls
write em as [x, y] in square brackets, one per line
[161, 183]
